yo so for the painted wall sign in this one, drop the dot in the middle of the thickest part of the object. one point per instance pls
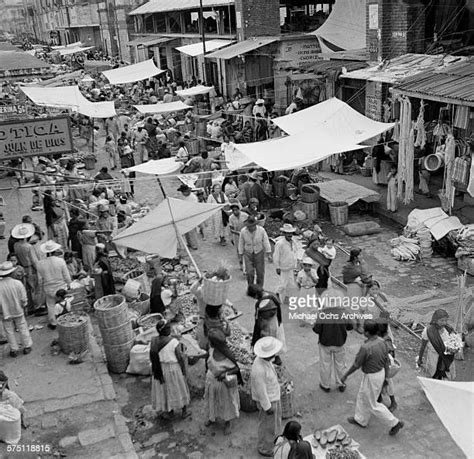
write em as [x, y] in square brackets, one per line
[12, 111]
[373, 100]
[301, 52]
[44, 136]
[373, 16]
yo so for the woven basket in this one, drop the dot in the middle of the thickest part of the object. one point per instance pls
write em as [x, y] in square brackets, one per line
[193, 146]
[117, 335]
[247, 405]
[142, 307]
[132, 289]
[366, 171]
[215, 292]
[311, 209]
[73, 336]
[140, 276]
[287, 408]
[310, 193]
[111, 311]
[280, 186]
[118, 356]
[339, 212]
[152, 320]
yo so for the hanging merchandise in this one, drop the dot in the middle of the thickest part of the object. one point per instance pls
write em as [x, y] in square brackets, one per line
[449, 190]
[470, 186]
[461, 117]
[420, 128]
[460, 172]
[396, 132]
[406, 153]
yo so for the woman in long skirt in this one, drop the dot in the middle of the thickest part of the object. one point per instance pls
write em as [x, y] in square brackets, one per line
[220, 219]
[169, 390]
[222, 378]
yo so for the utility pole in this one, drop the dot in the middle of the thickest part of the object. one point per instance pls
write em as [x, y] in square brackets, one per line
[203, 35]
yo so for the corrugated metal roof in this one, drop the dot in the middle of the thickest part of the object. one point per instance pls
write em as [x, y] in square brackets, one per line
[455, 83]
[396, 70]
[333, 64]
[242, 47]
[19, 60]
[160, 6]
[148, 41]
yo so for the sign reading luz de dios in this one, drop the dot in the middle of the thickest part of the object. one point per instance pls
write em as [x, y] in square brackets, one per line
[44, 136]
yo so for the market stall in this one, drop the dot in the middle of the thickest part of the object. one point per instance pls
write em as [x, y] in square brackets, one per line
[132, 73]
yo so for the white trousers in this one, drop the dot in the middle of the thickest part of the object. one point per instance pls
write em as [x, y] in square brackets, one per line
[366, 403]
[331, 358]
[22, 326]
[286, 282]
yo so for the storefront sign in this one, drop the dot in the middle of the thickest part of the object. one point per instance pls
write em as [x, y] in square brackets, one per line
[12, 111]
[373, 17]
[373, 100]
[45, 136]
[301, 52]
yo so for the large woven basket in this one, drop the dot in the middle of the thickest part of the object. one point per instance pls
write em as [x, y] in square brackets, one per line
[215, 292]
[310, 193]
[111, 311]
[287, 408]
[117, 335]
[311, 209]
[139, 276]
[118, 356]
[73, 334]
[339, 212]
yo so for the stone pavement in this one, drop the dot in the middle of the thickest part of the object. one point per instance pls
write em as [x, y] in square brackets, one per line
[73, 408]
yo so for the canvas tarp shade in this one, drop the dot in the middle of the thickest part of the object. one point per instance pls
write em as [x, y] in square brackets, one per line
[71, 45]
[197, 49]
[195, 91]
[162, 108]
[149, 41]
[333, 116]
[163, 166]
[156, 232]
[453, 402]
[344, 191]
[345, 28]
[75, 50]
[69, 97]
[242, 47]
[132, 73]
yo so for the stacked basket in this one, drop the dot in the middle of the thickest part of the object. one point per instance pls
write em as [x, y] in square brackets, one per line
[424, 237]
[73, 330]
[339, 212]
[310, 201]
[116, 330]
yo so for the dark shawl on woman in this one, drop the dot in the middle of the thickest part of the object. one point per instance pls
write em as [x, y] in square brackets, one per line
[220, 199]
[257, 331]
[323, 278]
[157, 344]
[156, 303]
[48, 205]
[217, 339]
[300, 450]
[106, 277]
[444, 360]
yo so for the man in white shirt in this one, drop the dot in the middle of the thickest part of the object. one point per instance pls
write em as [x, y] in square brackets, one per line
[284, 257]
[253, 244]
[187, 195]
[259, 107]
[140, 138]
[266, 392]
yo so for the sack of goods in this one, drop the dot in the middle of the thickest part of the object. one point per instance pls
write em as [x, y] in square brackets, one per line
[404, 248]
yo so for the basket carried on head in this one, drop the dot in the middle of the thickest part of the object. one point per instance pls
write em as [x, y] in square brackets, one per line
[73, 329]
[118, 356]
[339, 212]
[111, 311]
[215, 292]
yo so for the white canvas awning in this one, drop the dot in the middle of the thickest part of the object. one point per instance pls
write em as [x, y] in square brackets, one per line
[345, 27]
[70, 98]
[194, 91]
[333, 116]
[156, 233]
[165, 166]
[133, 73]
[453, 402]
[197, 49]
[242, 47]
[71, 45]
[162, 108]
[75, 50]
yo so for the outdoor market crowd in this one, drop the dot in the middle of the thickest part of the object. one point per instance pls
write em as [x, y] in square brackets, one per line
[82, 216]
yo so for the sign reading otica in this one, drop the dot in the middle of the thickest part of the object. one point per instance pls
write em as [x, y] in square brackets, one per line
[43, 136]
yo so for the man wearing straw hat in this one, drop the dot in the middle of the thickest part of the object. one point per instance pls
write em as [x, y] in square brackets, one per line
[13, 300]
[53, 275]
[284, 257]
[26, 256]
[266, 392]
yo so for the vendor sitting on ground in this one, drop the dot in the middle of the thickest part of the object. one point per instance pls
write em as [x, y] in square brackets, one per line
[11, 410]
[63, 303]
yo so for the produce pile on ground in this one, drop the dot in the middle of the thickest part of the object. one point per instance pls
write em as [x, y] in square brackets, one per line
[73, 318]
[404, 248]
[181, 271]
[239, 343]
[336, 439]
[120, 266]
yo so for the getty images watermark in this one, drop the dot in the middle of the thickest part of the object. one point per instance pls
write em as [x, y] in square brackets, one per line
[331, 308]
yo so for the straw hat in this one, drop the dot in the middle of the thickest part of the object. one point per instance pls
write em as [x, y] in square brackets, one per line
[288, 228]
[50, 246]
[23, 231]
[127, 150]
[267, 346]
[166, 297]
[307, 261]
[6, 268]
[254, 175]
[260, 102]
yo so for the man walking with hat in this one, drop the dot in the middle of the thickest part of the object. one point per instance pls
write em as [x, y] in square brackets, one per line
[13, 300]
[187, 195]
[253, 245]
[53, 275]
[284, 257]
[266, 392]
[26, 256]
